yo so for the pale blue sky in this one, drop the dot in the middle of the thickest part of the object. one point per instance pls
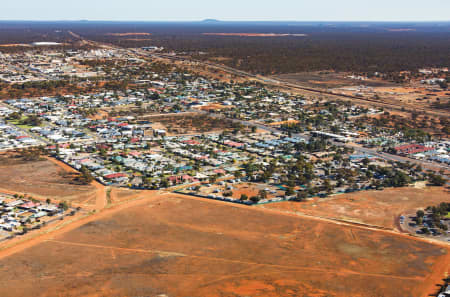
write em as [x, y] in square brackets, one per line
[186, 10]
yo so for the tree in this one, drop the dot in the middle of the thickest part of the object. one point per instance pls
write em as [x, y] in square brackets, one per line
[212, 179]
[63, 205]
[86, 176]
[425, 230]
[262, 194]
[255, 199]
[327, 186]
[301, 196]
[243, 197]
[443, 84]
[420, 213]
[436, 180]
[32, 120]
[227, 194]
[289, 191]
[48, 201]
[365, 161]
[419, 220]
[165, 183]
[14, 116]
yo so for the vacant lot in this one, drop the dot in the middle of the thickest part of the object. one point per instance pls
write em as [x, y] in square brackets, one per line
[249, 189]
[189, 247]
[42, 179]
[118, 195]
[188, 123]
[328, 79]
[380, 208]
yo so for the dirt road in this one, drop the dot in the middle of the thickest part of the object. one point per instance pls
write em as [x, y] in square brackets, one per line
[50, 233]
[101, 200]
[143, 197]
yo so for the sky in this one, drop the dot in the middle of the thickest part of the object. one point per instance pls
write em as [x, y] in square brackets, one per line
[228, 10]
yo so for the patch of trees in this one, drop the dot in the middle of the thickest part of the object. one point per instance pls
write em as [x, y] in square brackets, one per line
[63, 205]
[42, 85]
[393, 177]
[32, 120]
[436, 180]
[85, 176]
[14, 116]
[341, 51]
[314, 145]
[343, 47]
[434, 217]
[31, 154]
[116, 85]
[441, 105]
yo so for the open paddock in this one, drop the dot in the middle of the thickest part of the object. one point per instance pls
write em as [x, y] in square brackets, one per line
[181, 246]
[381, 208]
[188, 123]
[42, 179]
[238, 189]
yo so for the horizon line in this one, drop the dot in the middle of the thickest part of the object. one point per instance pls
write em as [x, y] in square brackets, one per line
[212, 20]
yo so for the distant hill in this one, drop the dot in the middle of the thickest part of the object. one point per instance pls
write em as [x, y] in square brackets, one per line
[210, 21]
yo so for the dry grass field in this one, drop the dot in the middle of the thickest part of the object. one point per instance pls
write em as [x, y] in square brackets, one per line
[188, 123]
[328, 79]
[249, 189]
[381, 208]
[41, 179]
[180, 246]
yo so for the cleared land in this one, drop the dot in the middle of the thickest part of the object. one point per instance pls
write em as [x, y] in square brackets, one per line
[180, 246]
[41, 179]
[407, 94]
[188, 123]
[249, 189]
[381, 208]
[118, 195]
[329, 79]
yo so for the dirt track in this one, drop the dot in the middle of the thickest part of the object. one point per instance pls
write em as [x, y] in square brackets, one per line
[380, 208]
[101, 199]
[41, 179]
[210, 247]
[239, 231]
[53, 231]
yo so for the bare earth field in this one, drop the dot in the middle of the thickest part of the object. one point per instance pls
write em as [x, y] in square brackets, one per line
[118, 195]
[42, 179]
[181, 246]
[324, 79]
[188, 123]
[381, 208]
[249, 189]
[408, 94]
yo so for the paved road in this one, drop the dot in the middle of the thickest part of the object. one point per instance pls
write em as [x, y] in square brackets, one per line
[360, 150]
[280, 83]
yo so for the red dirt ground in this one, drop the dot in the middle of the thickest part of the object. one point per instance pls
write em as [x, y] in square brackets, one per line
[41, 179]
[380, 208]
[181, 246]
